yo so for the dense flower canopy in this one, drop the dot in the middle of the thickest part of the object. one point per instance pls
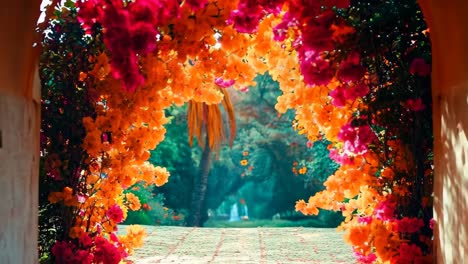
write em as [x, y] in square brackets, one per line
[139, 57]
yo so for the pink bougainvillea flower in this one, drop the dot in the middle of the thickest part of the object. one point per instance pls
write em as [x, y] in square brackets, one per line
[408, 253]
[355, 91]
[115, 213]
[167, 10]
[344, 93]
[338, 96]
[364, 259]
[385, 210]
[63, 251]
[340, 158]
[415, 104]
[83, 257]
[244, 89]
[87, 13]
[365, 220]
[54, 174]
[326, 18]
[132, 78]
[224, 83]
[280, 31]
[409, 225]
[81, 198]
[420, 67]
[339, 3]
[431, 223]
[246, 18]
[350, 69]
[143, 11]
[143, 36]
[196, 4]
[113, 237]
[310, 144]
[318, 38]
[272, 6]
[315, 70]
[356, 139]
[105, 252]
[85, 240]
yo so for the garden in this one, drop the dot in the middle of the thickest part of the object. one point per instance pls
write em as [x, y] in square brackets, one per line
[235, 114]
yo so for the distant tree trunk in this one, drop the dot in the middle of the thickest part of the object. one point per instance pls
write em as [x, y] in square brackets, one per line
[199, 187]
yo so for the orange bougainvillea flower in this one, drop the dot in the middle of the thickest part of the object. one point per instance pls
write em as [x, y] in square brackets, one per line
[358, 234]
[294, 170]
[162, 176]
[66, 196]
[301, 205]
[303, 170]
[387, 173]
[133, 238]
[55, 197]
[175, 217]
[76, 232]
[83, 76]
[132, 201]
[146, 207]
[245, 153]
[244, 162]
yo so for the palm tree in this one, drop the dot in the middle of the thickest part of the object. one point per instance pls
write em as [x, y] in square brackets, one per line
[205, 122]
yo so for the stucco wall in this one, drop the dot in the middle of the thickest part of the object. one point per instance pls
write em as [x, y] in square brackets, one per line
[19, 125]
[449, 35]
[19, 132]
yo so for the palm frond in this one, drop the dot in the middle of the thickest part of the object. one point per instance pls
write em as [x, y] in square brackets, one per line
[205, 122]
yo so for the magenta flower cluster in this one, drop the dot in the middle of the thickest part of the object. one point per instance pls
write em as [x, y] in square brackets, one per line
[130, 31]
[356, 138]
[115, 214]
[312, 23]
[88, 250]
[364, 259]
[348, 92]
[385, 210]
[224, 83]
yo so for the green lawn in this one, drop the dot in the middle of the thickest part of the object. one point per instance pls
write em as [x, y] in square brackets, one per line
[266, 223]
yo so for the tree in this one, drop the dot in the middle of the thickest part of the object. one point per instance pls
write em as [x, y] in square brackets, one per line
[179, 158]
[205, 123]
[278, 159]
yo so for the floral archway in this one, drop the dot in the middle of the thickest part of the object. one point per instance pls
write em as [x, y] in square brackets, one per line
[441, 80]
[353, 74]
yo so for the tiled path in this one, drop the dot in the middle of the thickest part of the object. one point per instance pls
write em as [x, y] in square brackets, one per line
[242, 245]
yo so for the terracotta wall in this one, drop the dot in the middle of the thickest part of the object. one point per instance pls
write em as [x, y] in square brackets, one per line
[449, 35]
[19, 133]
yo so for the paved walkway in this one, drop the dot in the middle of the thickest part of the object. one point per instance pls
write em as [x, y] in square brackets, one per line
[180, 245]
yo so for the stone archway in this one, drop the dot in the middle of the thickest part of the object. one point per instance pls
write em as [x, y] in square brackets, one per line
[19, 123]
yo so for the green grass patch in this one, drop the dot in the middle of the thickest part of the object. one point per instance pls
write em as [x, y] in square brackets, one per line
[266, 223]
